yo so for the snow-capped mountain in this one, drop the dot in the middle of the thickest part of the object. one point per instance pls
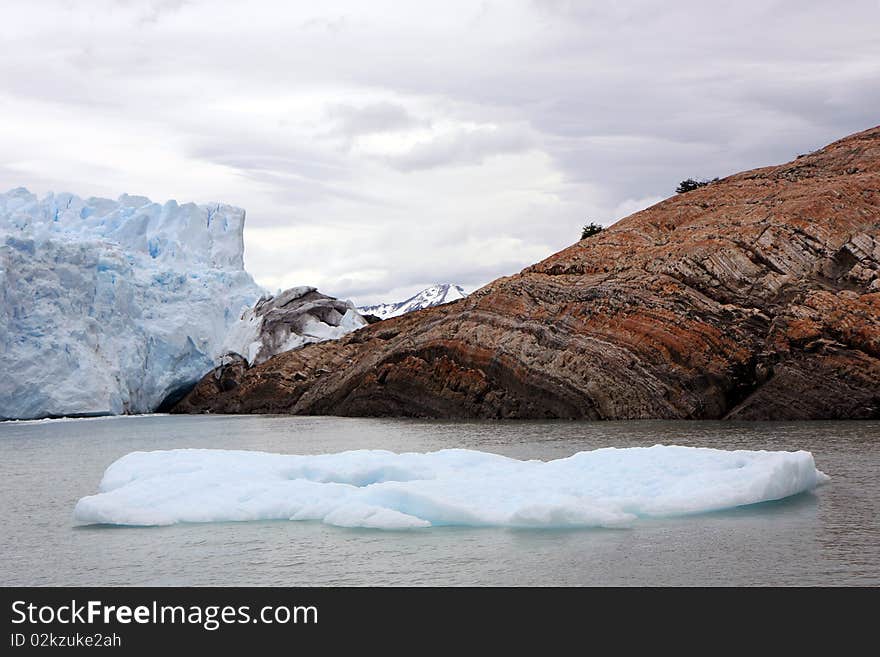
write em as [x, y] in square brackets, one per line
[435, 295]
[112, 306]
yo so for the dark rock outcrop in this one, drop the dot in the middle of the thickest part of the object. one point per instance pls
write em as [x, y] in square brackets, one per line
[756, 297]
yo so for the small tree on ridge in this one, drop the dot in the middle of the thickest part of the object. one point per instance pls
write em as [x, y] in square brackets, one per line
[691, 184]
[590, 229]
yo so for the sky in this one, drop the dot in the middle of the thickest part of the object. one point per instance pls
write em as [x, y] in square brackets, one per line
[379, 147]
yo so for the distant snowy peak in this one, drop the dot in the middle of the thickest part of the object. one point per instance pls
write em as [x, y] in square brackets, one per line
[435, 295]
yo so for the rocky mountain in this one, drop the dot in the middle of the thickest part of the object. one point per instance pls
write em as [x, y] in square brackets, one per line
[755, 297]
[435, 295]
[289, 320]
[113, 306]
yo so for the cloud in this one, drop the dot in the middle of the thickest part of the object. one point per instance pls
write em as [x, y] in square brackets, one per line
[153, 10]
[378, 117]
[468, 146]
[379, 146]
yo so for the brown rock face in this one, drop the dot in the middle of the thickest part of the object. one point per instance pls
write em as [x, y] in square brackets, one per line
[756, 297]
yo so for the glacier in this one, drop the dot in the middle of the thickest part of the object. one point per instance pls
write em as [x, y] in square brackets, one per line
[110, 307]
[379, 489]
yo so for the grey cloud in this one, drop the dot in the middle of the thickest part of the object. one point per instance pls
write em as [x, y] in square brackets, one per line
[844, 105]
[292, 191]
[461, 147]
[354, 121]
[153, 10]
[257, 154]
[332, 25]
[295, 176]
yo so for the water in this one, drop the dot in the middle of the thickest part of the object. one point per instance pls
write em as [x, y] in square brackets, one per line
[830, 537]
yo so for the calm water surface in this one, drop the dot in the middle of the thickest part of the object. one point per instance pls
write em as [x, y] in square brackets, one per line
[828, 537]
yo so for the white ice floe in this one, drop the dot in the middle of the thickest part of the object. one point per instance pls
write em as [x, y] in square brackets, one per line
[380, 489]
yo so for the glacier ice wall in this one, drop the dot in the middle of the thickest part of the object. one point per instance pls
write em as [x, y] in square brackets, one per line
[380, 489]
[110, 306]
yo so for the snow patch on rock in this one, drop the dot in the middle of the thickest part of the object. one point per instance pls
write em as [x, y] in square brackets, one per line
[290, 320]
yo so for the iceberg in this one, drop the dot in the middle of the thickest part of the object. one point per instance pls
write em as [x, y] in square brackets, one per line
[111, 307]
[384, 490]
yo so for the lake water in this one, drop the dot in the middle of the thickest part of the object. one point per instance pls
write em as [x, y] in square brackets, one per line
[829, 537]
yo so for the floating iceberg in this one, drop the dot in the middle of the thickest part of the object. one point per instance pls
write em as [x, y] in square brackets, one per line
[111, 307]
[381, 489]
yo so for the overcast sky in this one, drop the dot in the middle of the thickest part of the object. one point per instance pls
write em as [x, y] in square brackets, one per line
[379, 147]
